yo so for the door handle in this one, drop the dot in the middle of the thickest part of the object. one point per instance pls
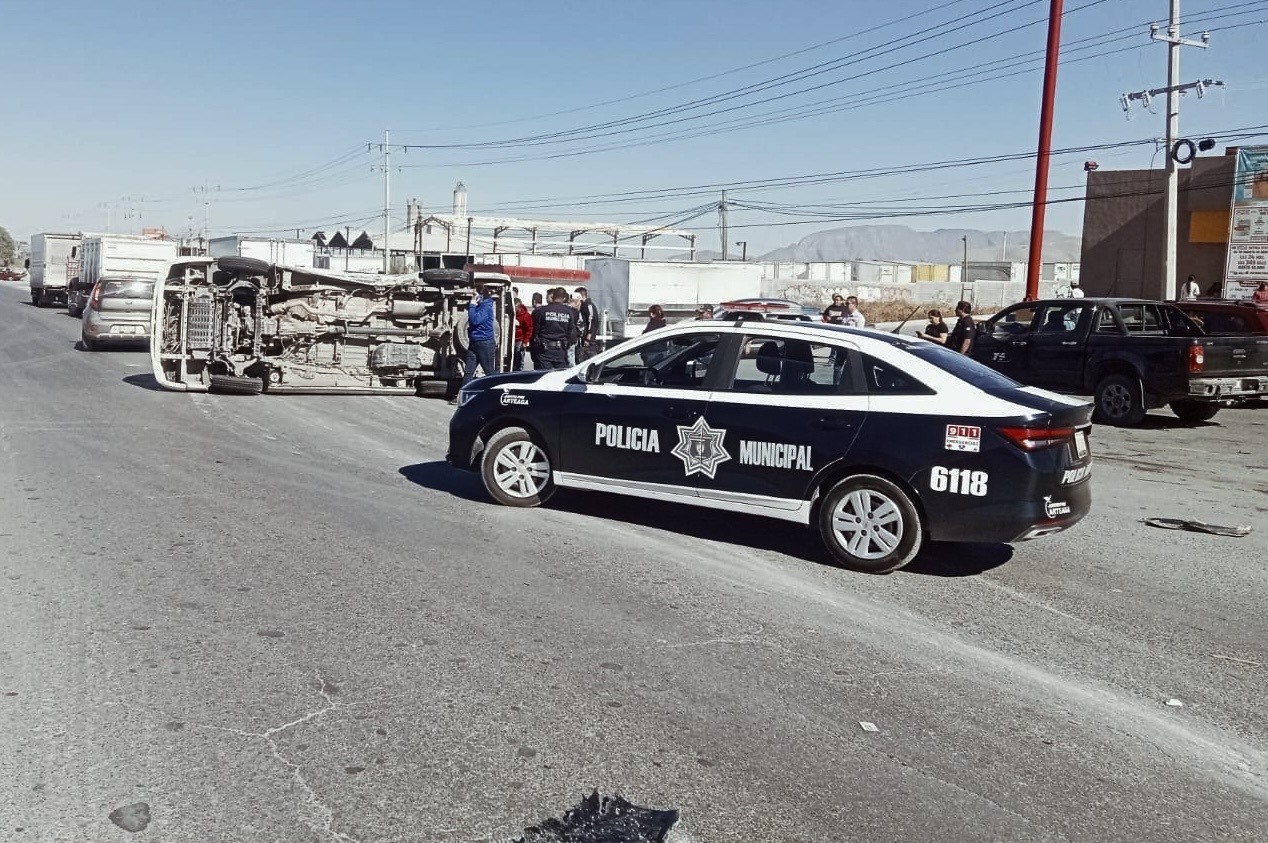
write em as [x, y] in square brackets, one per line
[832, 423]
[682, 414]
[1020, 342]
[1069, 342]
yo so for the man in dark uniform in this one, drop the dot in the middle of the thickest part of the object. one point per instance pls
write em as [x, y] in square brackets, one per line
[554, 330]
[588, 325]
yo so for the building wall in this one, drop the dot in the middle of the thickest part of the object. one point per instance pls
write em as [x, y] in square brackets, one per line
[1124, 234]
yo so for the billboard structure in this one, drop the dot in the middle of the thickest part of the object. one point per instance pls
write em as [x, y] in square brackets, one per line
[1247, 262]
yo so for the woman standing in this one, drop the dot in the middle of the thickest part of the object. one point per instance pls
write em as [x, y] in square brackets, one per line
[936, 330]
[656, 318]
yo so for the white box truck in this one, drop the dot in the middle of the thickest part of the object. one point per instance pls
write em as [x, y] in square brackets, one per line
[293, 253]
[115, 256]
[47, 266]
[625, 289]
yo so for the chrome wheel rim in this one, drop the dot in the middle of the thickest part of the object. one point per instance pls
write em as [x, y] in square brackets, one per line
[521, 470]
[1116, 400]
[867, 524]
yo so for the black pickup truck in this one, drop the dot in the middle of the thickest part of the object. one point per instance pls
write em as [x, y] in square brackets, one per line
[1132, 355]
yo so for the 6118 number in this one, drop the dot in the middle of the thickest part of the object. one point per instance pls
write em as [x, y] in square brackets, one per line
[958, 481]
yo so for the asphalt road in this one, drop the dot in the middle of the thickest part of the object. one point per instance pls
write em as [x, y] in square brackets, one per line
[285, 619]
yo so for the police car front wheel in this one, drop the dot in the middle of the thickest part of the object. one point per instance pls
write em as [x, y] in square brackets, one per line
[516, 470]
[869, 524]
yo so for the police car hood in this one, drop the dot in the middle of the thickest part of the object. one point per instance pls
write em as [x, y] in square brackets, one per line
[511, 378]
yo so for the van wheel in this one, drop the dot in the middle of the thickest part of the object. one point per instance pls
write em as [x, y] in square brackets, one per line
[234, 385]
[243, 266]
[516, 470]
[869, 524]
[1194, 412]
[1120, 401]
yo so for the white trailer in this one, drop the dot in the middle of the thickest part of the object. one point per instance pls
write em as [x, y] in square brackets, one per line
[49, 255]
[115, 256]
[625, 289]
[293, 253]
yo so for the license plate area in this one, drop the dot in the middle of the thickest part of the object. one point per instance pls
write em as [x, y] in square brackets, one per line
[1079, 446]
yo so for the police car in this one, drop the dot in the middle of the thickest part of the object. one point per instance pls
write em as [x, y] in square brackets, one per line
[879, 442]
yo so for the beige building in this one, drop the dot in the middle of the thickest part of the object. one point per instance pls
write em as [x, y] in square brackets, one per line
[1124, 232]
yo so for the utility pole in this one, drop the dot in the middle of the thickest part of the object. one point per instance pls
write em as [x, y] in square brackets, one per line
[387, 203]
[723, 224]
[1173, 91]
[964, 272]
[206, 191]
[1040, 204]
[743, 244]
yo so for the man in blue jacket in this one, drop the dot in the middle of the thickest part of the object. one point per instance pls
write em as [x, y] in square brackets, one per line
[482, 347]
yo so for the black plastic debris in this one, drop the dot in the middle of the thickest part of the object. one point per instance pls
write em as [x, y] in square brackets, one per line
[604, 819]
[1197, 527]
[131, 818]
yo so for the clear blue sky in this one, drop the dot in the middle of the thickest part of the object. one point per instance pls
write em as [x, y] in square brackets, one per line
[133, 104]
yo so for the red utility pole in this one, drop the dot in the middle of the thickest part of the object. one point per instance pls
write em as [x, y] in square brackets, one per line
[1035, 259]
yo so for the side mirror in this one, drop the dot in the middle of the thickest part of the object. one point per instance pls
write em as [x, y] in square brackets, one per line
[592, 372]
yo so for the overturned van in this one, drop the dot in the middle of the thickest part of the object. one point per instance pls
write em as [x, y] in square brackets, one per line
[244, 326]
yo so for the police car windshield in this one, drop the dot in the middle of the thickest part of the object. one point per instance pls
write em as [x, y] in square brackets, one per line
[963, 367]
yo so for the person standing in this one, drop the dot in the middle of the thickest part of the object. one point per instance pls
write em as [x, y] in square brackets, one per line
[523, 335]
[1260, 296]
[704, 312]
[835, 313]
[1191, 290]
[588, 325]
[853, 316]
[1076, 292]
[554, 331]
[537, 300]
[655, 318]
[961, 336]
[481, 345]
[937, 329]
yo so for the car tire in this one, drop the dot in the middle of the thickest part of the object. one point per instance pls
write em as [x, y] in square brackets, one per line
[447, 277]
[235, 385]
[35, 298]
[1120, 401]
[869, 524]
[88, 342]
[516, 469]
[243, 266]
[1194, 412]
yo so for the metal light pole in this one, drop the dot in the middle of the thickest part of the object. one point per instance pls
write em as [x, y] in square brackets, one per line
[1040, 205]
[469, 238]
[743, 244]
[964, 271]
[387, 203]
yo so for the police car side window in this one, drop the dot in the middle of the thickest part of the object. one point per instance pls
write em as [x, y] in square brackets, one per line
[680, 362]
[793, 367]
[886, 379]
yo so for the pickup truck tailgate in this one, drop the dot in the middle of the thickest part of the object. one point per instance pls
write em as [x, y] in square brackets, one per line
[1233, 365]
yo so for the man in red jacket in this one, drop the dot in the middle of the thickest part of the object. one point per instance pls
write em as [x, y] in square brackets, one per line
[523, 335]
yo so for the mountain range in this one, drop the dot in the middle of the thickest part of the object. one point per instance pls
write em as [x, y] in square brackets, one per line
[901, 243]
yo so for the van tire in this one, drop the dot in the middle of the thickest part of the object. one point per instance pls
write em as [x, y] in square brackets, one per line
[447, 277]
[234, 385]
[243, 266]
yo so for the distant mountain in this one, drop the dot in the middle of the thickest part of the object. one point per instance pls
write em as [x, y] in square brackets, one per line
[900, 243]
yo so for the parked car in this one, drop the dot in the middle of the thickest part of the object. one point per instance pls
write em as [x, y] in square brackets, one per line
[878, 442]
[777, 309]
[9, 273]
[1227, 318]
[118, 312]
[1132, 355]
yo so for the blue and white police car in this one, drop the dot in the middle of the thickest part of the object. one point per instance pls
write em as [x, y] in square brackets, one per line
[879, 442]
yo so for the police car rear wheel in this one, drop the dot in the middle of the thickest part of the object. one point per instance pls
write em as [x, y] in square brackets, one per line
[869, 524]
[516, 470]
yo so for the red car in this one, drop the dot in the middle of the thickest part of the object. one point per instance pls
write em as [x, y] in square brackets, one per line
[8, 273]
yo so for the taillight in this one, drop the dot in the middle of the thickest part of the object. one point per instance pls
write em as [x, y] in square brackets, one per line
[1036, 438]
[1197, 359]
[94, 303]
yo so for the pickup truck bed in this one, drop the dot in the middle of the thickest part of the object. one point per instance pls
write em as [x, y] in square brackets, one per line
[1132, 355]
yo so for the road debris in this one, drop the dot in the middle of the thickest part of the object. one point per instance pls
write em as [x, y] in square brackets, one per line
[1197, 527]
[131, 818]
[868, 726]
[1175, 703]
[604, 819]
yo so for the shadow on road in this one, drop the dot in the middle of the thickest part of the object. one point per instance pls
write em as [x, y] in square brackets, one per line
[1159, 422]
[442, 477]
[938, 559]
[955, 559]
[145, 381]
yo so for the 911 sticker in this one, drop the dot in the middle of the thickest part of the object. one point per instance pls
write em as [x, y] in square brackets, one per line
[961, 437]
[958, 481]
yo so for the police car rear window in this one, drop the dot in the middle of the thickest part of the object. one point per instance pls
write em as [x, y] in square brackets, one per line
[963, 367]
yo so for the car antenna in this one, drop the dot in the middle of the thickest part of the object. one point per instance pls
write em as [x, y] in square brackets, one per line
[905, 321]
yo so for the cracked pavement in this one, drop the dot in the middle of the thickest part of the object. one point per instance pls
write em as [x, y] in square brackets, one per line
[284, 619]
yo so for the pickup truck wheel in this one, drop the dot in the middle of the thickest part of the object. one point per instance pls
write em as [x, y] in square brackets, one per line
[35, 298]
[234, 385]
[1194, 412]
[1120, 401]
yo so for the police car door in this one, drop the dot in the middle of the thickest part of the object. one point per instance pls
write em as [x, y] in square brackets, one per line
[622, 430]
[788, 408]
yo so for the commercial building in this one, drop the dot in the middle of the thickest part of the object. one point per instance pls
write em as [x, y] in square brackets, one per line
[1124, 228]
